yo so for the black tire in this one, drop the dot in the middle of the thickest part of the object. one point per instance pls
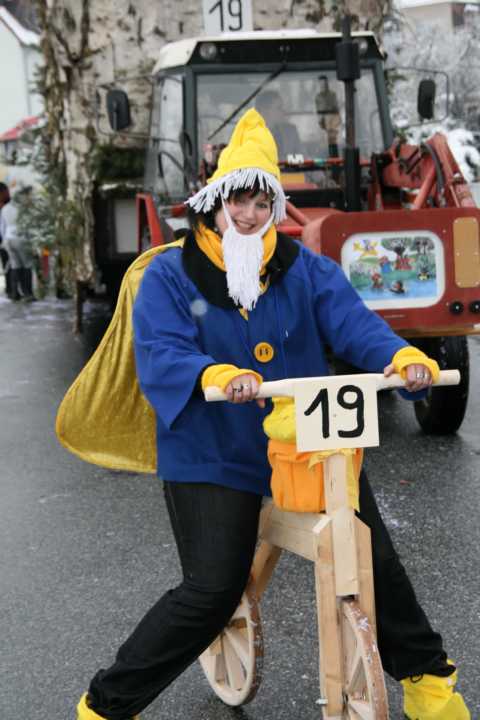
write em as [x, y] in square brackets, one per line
[443, 410]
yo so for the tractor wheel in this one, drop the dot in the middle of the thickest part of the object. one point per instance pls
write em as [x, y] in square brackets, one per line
[443, 409]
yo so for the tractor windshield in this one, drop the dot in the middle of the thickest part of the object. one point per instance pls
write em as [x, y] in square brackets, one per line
[305, 110]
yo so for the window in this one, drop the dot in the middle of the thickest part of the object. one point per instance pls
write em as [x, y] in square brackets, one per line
[164, 165]
[305, 112]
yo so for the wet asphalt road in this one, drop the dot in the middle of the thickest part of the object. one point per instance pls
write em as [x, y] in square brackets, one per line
[85, 551]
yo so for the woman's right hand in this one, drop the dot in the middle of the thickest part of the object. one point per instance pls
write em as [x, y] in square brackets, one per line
[242, 389]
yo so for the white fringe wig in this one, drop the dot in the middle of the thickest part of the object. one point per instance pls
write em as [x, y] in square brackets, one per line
[241, 179]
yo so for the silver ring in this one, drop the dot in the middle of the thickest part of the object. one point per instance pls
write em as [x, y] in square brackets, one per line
[238, 389]
[420, 376]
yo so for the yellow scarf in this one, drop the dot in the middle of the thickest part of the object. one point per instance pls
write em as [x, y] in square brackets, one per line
[211, 244]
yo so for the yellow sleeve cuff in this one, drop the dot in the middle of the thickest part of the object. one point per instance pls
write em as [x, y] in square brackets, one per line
[413, 356]
[221, 375]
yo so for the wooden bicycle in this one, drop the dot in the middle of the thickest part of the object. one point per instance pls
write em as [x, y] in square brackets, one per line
[352, 682]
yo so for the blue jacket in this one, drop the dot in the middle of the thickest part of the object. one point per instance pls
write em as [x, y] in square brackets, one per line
[179, 332]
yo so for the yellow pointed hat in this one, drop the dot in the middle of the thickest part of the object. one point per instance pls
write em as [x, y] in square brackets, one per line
[250, 157]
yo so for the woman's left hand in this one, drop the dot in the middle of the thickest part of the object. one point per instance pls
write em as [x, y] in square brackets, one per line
[418, 376]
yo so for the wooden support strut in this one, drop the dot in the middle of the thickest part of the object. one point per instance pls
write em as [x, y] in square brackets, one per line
[329, 627]
[352, 545]
[343, 526]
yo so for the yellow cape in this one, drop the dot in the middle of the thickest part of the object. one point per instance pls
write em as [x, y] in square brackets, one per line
[104, 418]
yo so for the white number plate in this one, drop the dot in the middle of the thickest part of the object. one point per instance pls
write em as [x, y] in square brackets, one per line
[336, 413]
[227, 16]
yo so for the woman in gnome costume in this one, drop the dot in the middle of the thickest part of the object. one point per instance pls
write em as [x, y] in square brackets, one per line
[233, 304]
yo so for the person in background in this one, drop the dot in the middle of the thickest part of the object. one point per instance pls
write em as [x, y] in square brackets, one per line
[270, 105]
[4, 199]
[326, 105]
[234, 303]
[18, 247]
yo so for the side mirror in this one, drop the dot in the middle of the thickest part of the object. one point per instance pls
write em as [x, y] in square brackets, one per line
[426, 99]
[118, 109]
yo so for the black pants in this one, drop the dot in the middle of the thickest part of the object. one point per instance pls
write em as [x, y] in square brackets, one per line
[216, 530]
[7, 271]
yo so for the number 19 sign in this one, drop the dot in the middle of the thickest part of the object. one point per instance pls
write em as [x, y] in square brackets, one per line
[336, 412]
[221, 16]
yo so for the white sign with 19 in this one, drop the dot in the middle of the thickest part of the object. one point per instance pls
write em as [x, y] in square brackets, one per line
[336, 412]
[221, 16]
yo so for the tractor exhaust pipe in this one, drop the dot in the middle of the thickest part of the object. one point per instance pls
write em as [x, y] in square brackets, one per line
[348, 70]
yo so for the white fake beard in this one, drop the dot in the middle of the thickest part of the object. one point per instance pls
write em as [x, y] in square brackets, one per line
[243, 257]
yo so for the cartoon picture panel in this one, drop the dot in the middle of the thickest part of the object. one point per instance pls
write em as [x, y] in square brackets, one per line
[395, 269]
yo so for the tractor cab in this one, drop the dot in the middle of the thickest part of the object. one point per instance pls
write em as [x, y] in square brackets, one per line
[202, 86]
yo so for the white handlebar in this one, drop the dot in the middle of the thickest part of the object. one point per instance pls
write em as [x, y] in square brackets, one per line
[285, 388]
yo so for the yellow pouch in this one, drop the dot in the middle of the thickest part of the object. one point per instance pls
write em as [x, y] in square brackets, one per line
[297, 481]
[294, 484]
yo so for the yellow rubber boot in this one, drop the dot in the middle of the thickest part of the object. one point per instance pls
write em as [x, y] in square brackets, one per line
[86, 713]
[430, 697]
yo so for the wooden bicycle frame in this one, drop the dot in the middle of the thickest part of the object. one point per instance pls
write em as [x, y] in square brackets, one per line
[339, 545]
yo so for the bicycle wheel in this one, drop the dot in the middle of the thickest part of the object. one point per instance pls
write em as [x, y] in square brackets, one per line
[233, 662]
[364, 684]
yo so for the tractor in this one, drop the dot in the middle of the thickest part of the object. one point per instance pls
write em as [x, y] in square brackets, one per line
[399, 218]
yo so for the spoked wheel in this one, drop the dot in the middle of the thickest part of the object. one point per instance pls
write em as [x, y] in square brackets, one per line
[364, 689]
[233, 663]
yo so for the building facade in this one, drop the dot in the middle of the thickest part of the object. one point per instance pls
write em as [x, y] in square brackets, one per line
[450, 15]
[19, 57]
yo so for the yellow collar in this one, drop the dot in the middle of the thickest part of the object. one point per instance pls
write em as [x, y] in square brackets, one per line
[211, 244]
